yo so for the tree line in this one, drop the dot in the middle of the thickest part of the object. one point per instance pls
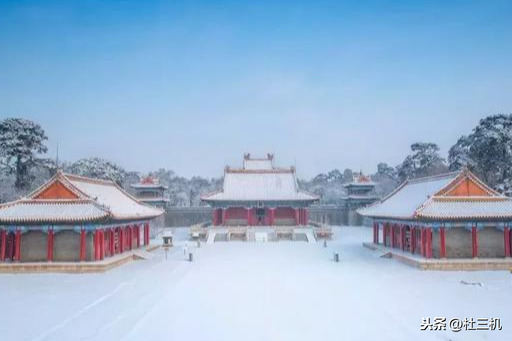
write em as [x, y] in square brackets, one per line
[486, 150]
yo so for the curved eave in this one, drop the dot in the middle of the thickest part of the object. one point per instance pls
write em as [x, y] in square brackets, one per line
[136, 217]
[464, 218]
[52, 221]
[386, 217]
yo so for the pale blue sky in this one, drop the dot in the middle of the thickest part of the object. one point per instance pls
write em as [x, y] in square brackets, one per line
[193, 85]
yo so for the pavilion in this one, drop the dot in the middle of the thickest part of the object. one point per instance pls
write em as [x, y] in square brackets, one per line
[151, 192]
[72, 218]
[452, 215]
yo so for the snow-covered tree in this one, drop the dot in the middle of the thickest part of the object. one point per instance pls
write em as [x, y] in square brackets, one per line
[21, 141]
[98, 168]
[386, 179]
[424, 161]
[328, 186]
[487, 151]
[348, 175]
[335, 176]
[458, 155]
[385, 171]
[185, 192]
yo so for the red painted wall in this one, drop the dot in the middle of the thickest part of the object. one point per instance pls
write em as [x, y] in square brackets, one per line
[236, 213]
[285, 213]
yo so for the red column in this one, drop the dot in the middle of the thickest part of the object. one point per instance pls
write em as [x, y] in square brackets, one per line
[272, 214]
[95, 243]
[442, 241]
[102, 256]
[97, 233]
[422, 241]
[17, 248]
[392, 235]
[3, 246]
[130, 237]
[249, 220]
[429, 242]
[425, 242]
[135, 235]
[102, 244]
[297, 222]
[474, 238]
[425, 237]
[306, 216]
[223, 215]
[375, 232]
[49, 248]
[393, 241]
[137, 231]
[506, 236]
[82, 245]
[412, 238]
[121, 239]
[214, 217]
[146, 234]
[112, 242]
[402, 237]
[384, 234]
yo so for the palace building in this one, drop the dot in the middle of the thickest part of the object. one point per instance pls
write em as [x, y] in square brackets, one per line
[151, 192]
[260, 194]
[72, 218]
[453, 215]
[360, 193]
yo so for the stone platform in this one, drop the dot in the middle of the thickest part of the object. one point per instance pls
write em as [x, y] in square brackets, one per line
[307, 233]
[74, 267]
[447, 264]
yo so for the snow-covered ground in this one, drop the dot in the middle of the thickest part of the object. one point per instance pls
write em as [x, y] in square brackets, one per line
[254, 291]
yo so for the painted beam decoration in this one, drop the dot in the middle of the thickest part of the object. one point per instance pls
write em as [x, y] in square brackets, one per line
[73, 218]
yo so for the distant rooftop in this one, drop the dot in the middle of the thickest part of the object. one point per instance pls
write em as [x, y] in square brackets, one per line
[148, 182]
[359, 179]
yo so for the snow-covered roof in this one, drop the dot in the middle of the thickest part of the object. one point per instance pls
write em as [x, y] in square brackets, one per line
[71, 198]
[52, 211]
[148, 183]
[466, 208]
[442, 197]
[155, 199]
[121, 204]
[360, 184]
[360, 180]
[259, 184]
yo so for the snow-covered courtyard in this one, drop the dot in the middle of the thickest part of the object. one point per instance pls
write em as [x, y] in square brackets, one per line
[255, 291]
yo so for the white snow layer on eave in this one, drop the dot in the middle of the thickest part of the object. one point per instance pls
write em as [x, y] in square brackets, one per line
[120, 204]
[260, 186]
[51, 212]
[407, 200]
[467, 209]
